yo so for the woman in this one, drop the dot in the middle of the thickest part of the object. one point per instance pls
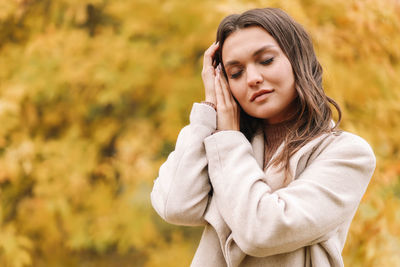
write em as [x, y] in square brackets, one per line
[261, 164]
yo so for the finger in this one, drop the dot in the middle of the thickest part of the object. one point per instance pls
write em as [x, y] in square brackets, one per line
[208, 72]
[225, 83]
[224, 87]
[209, 54]
[218, 91]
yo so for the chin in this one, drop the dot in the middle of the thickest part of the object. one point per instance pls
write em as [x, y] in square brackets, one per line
[261, 114]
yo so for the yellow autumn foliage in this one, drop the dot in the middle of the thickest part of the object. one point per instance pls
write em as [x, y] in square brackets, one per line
[93, 94]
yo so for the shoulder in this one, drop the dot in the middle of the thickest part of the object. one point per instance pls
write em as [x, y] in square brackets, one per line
[348, 143]
[348, 147]
[340, 140]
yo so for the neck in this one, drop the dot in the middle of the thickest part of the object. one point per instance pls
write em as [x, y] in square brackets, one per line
[274, 135]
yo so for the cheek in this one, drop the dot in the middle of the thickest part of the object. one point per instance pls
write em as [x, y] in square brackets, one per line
[283, 73]
[238, 91]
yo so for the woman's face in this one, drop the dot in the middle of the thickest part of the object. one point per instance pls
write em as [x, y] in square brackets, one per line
[260, 76]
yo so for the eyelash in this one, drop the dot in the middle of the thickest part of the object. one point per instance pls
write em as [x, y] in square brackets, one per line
[236, 75]
[265, 63]
[268, 61]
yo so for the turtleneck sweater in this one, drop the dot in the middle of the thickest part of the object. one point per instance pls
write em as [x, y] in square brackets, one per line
[274, 135]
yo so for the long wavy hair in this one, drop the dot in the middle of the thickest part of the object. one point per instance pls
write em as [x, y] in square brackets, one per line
[314, 114]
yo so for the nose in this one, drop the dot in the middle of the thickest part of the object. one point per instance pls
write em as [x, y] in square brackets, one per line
[254, 76]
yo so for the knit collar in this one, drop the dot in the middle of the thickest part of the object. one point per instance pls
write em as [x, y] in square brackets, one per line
[275, 133]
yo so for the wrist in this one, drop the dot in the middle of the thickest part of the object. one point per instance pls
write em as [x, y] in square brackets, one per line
[211, 100]
[211, 104]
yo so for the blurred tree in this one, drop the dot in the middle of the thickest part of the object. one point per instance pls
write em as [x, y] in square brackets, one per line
[93, 94]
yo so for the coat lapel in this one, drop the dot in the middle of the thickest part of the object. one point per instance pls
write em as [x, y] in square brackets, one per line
[258, 147]
[274, 176]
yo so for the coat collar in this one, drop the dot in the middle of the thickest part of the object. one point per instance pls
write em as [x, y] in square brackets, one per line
[275, 177]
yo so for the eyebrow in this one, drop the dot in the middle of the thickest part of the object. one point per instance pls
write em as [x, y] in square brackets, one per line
[256, 53]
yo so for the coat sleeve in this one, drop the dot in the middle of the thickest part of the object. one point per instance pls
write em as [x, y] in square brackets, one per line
[265, 223]
[181, 191]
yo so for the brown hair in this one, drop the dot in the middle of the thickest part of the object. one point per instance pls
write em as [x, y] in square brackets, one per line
[314, 113]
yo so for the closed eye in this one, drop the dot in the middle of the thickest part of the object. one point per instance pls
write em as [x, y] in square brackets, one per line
[236, 75]
[268, 61]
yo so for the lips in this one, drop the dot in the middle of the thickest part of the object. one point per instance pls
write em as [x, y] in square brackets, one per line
[260, 93]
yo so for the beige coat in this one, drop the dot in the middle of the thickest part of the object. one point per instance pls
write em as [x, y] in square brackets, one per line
[250, 217]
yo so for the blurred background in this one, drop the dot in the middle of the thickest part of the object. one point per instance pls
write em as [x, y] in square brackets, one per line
[94, 92]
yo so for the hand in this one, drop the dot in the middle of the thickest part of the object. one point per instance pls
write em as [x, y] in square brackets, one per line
[208, 73]
[228, 114]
